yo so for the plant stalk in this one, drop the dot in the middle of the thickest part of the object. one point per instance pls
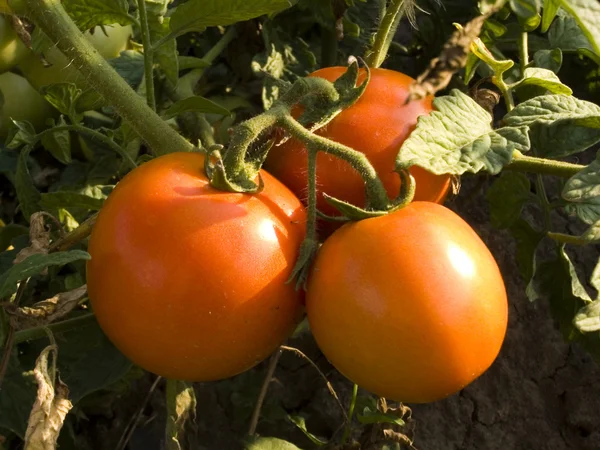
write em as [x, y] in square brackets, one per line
[52, 18]
[148, 55]
[522, 163]
[385, 34]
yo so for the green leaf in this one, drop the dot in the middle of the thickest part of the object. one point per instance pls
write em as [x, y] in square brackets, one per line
[587, 320]
[130, 65]
[543, 78]
[549, 59]
[300, 422]
[28, 195]
[34, 264]
[58, 143]
[368, 413]
[549, 13]
[16, 397]
[525, 8]
[553, 108]
[90, 13]
[195, 104]
[181, 409]
[587, 15]
[458, 137]
[595, 279]
[262, 443]
[507, 197]
[63, 96]
[583, 191]
[196, 15]
[66, 199]
[566, 34]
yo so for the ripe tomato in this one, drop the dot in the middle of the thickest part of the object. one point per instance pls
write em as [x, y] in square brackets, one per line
[12, 50]
[190, 282]
[410, 306]
[377, 125]
[109, 45]
[20, 101]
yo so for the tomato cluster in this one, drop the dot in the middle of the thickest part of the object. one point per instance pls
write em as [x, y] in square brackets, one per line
[23, 73]
[192, 283]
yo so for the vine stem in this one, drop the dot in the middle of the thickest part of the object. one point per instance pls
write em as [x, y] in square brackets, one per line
[263, 391]
[385, 34]
[348, 427]
[311, 222]
[148, 54]
[522, 163]
[523, 44]
[567, 238]
[30, 334]
[376, 193]
[54, 21]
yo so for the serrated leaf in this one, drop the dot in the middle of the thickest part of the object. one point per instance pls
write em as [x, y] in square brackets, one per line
[544, 78]
[195, 104]
[300, 422]
[549, 59]
[35, 264]
[587, 320]
[197, 15]
[587, 15]
[90, 13]
[583, 191]
[266, 443]
[507, 197]
[27, 194]
[458, 137]
[181, 409]
[63, 97]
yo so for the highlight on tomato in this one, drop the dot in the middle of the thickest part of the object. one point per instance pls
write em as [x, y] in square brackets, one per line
[188, 281]
[411, 306]
[376, 125]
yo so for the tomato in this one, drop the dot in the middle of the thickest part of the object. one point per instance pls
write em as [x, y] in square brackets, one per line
[377, 125]
[109, 45]
[21, 102]
[190, 282]
[410, 306]
[12, 50]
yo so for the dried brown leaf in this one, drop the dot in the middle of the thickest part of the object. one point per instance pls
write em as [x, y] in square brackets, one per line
[50, 408]
[39, 237]
[46, 311]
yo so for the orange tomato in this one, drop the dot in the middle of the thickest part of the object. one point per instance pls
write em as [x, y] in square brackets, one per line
[190, 282]
[410, 306]
[376, 125]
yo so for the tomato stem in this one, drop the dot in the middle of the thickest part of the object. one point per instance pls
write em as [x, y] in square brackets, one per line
[263, 391]
[385, 33]
[148, 54]
[522, 163]
[523, 44]
[567, 238]
[348, 427]
[51, 17]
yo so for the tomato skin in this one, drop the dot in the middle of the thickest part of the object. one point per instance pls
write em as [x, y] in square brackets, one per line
[376, 125]
[190, 282]
[410, 306]
[109, 45]
[22, 102]
[12, 50]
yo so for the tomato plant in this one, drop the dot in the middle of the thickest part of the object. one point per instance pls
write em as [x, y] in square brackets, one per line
[414, 321]
[12, 50]
[162, 286]
[21, 102]
[376, 125]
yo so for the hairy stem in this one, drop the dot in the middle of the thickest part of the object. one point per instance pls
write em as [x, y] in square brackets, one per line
[148, 55]
[385, 34]
[51, 17]
[522, 163]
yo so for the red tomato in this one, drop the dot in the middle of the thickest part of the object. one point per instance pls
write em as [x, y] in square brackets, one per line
[190, 282]
[410, 306]
[377, 125]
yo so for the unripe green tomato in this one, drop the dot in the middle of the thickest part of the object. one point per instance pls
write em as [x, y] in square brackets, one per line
[109, 45]
[21, 102]
[12, 50]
